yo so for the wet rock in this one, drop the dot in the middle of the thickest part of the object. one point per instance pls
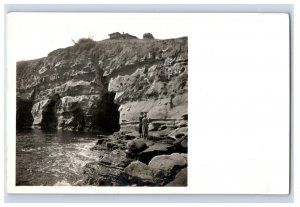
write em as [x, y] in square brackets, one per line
[100, 141]
[138, 173]
[180, 179]
[154, 150]
[111, 145]
[166, 166]
[98, 147]
[116, 158]
[129, 137]
[99, 174]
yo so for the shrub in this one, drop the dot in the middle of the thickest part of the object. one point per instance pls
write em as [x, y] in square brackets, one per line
[86, 43]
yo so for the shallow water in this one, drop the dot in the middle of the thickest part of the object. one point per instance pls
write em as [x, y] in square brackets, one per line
[53, 158]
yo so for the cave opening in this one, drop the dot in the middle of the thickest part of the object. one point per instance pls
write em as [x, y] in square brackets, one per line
[108, 114]
[49, 117]
[78, 114]
[24, 116]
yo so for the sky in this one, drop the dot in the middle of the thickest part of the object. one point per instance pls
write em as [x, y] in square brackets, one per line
[34, 35]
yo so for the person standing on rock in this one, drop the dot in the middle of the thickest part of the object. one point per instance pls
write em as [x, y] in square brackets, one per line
[145, 123]
[140, 124]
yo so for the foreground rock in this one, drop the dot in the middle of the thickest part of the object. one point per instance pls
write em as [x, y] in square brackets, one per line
[136, 146]
[116, 158]
[138, 173]
[165, 167]
[108, 171]
[180, 179]
[99, 174]
[154, 150]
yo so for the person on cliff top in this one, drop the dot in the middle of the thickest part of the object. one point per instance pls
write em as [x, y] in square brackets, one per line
[145, 123]
[140, 124]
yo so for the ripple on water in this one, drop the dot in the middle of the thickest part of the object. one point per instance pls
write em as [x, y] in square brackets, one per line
[55, 161]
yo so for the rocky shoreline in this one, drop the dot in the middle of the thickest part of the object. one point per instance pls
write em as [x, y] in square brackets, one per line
[133, 161]
[103, 86]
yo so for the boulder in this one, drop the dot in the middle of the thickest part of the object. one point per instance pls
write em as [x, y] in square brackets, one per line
[154, 150]
[166, 166]
[136, 145]
[138, 173]
[180, 179]
[116, 158]
[111, 145]
[99, 174]
[100, 141]
[178, 133]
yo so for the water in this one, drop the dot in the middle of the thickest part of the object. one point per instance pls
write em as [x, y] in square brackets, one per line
[53, 158]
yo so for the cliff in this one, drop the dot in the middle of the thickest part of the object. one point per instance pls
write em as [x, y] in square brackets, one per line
[94, 86]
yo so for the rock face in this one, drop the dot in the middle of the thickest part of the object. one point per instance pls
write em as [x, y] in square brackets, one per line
[99, 85]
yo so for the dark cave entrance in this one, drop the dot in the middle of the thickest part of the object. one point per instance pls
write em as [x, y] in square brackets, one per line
[108, 114]
[49, 117]
[78, 114]
[24, 116]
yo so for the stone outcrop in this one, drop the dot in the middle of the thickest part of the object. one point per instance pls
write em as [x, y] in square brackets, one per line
[103, 84]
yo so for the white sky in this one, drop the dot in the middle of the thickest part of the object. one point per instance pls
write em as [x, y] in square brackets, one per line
[45, 32]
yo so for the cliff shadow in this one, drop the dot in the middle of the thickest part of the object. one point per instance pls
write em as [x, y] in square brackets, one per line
[108, 114]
